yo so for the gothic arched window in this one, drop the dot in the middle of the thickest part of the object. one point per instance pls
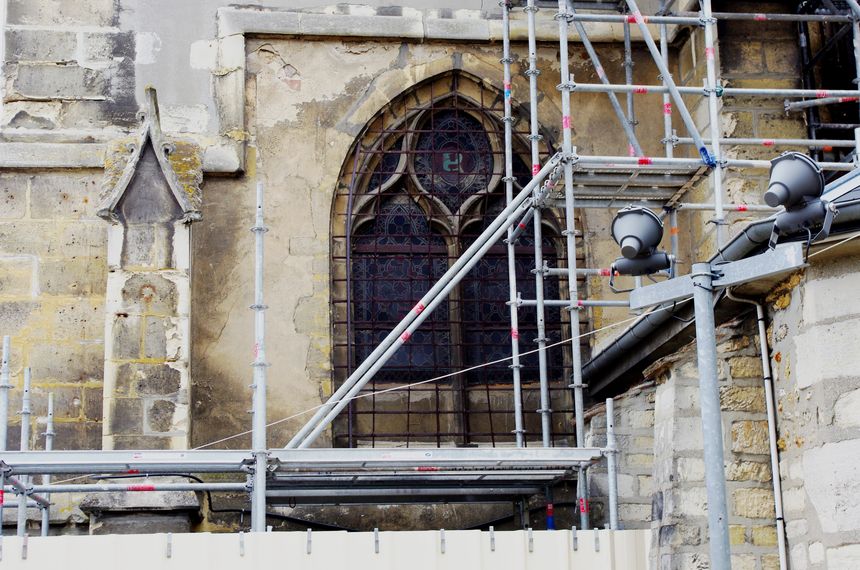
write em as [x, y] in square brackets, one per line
[425, 179]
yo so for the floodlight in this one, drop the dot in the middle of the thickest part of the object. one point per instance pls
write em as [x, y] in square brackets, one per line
[638, 231]
[797, 183]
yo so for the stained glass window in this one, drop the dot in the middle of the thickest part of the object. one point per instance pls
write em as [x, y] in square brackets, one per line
[453, 159]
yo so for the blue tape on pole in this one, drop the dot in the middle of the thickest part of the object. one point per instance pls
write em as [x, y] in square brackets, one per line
[707, 158]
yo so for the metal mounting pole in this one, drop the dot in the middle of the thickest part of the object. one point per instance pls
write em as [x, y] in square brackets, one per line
[509, 196]
[712, 427]
[258, 426]
[612, 463]
[4, 392]
[712, 85]
[565, 86]
[49, 446]
[25, 446]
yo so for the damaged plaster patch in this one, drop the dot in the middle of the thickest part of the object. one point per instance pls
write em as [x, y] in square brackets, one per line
[274, 73]
[147, 46]
[184, 118]
[32, 114]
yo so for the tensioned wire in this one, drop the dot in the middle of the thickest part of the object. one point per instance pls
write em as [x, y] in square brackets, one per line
[444, 376]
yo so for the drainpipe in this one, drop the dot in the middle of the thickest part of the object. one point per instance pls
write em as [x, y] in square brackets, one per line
[771, 425]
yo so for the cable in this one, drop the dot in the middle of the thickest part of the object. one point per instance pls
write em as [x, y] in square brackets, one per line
[846, 240]
[444, 376]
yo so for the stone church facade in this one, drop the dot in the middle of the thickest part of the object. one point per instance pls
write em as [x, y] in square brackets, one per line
[126, 264]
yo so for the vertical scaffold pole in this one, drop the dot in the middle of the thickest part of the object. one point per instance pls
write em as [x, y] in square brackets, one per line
[49, 446]
[628, 79]
[565, 87]
[4, 392]
[855, 29]
[25, 446]
[612, 463]
[509, 196]
[258, 427]
[540, 309]
[667, 100]
[712, 87]
[712, 428]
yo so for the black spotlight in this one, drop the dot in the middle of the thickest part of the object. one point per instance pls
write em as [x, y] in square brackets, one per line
[638, 231]
[796, 183]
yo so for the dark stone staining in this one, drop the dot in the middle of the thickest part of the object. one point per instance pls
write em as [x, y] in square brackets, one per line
[147, 380]
[78, 435]
[126, 416]
[667, 534]
[149, 294]
[657, 506]
[126, 337]
[159, 416]
[155, 340]
[14, 314]
[138, 441]
[446, 13]
[148, 211]
[389, 11]
[93, 403]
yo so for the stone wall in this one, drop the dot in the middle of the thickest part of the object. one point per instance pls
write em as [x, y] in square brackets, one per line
[52, 286]
[815, 323]
[679, 500]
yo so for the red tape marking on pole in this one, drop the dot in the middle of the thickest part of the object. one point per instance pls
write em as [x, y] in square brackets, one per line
[742, 208]
[419, 308]
[140, 488]
[821, 93]
[406, 336]
[768, 142]
[645, 160]
[515, 334]
[606, 272]
[640, 89]
[709, 53]
[1, 496]
[667, 108]
[566, 121]
[428, 468]
[760, 17]
[535, 169]
[583, 505]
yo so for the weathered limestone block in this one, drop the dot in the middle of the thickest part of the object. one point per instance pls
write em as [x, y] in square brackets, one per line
[753, 503]
[745, 367]
[742, 398]
[750, 437]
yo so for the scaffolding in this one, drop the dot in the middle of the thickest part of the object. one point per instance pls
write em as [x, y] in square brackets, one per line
[564, 179]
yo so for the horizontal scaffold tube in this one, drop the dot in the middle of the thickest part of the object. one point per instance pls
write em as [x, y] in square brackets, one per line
[140, 487]
[579, 303]
[622, 18]
[403, 332]
[653, 163]
[812, 143]
[724, 92]
[761, 17]
[821, 101]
